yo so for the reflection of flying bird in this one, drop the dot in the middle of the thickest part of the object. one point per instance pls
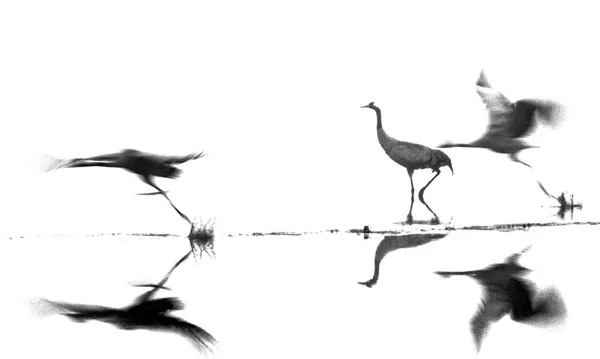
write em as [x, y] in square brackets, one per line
[146, 165]
[411, 156]
[505, 292]
[510, 122]
[144, 313]
[391, 243]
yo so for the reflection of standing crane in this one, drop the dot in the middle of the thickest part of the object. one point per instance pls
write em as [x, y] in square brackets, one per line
[510, 122]
[145, 165]
[144, 313]
[391, 243]
[411, 156]
[506, 292]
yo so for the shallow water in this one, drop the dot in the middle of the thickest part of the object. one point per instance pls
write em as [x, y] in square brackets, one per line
[296, 296]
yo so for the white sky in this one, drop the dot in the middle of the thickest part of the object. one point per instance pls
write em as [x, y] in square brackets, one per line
[273, 91]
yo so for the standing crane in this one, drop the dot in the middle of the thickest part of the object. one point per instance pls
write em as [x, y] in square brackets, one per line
[411, 156]
[145, 165]
[144, 313]
[506, 292]
[510, 122]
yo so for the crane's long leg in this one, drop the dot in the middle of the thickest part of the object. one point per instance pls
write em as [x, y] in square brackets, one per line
[149, 181]
[146, 296]
[409, 217]
[513, 156]
[422, 191]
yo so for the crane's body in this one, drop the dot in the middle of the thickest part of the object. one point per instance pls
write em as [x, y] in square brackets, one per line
[411, 156]
[506, 292]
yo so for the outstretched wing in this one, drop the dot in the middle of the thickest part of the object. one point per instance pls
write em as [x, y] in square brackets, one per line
[493, 307]
[78, 308]
[514, 258]
[200, 337]
[500, 109]
[182, 159]
[549, 112]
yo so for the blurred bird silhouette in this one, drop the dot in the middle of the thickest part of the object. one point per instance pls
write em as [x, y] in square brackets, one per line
[145, 165]
[411, 156]
[391, 243]
[506, 292]
[144, 313]
[510, 122]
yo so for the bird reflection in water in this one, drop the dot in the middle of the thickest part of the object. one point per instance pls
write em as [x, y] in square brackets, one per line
[391, 243]
[145, 312]
[506, 292]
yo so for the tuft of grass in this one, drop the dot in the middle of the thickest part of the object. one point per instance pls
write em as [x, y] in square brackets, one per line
[202, 238]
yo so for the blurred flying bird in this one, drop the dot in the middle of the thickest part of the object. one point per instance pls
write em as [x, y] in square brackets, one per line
[391, 243]
[411, 156]
[506, 292]
[510, 123]
[145, 165]
[144, 313]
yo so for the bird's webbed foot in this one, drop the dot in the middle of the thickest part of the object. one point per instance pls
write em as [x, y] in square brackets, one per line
[435, 220]
[409, 219]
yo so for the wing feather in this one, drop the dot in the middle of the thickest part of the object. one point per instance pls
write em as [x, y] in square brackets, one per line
[494, 306]
[200, 337]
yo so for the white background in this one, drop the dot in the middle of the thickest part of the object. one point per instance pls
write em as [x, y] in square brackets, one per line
[273, 92]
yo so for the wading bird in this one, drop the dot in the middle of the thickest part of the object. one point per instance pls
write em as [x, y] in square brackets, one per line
[144, 313]
[145, 165]
[510, 122]
[391, 243]
[506, 292]
[411, 156]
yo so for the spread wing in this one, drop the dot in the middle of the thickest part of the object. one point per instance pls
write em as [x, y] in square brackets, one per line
[550, 113]
[182, 159]
[200, 337]
[493, 307]
[79, 308]
[500, 109]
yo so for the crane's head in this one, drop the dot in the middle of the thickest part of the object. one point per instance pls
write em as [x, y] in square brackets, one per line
[371, 106]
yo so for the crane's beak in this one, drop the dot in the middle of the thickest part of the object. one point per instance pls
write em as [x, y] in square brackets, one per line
[365, 106]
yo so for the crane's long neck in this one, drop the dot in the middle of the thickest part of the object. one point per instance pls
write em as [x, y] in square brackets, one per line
[384, 140]
[378, 113]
